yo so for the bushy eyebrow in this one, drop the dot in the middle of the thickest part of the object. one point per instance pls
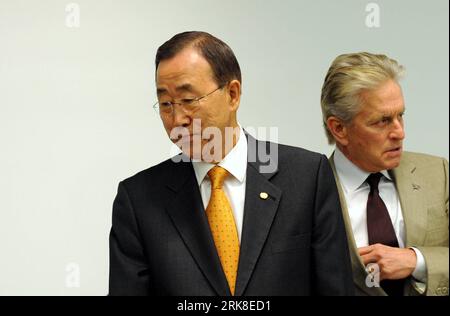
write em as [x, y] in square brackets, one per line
[387, 115]
[187, 87]
[392, 114]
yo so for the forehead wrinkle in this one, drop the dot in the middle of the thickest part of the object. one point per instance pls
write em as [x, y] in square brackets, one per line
[185, 87]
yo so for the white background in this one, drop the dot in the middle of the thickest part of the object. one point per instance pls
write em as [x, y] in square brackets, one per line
[76, 115]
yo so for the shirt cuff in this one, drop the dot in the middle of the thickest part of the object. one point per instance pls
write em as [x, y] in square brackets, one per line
[420, 272]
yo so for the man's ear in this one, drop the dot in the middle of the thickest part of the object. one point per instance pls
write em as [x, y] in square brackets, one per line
[338, 129]
[234, 92]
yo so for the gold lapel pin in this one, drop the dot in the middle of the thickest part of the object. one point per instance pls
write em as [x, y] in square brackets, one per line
[264, 195]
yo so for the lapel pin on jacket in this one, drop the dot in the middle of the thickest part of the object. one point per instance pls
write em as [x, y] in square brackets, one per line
[264, 195]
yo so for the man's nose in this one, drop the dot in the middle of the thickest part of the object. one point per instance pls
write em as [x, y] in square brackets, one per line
[180, 117]
[398, 131]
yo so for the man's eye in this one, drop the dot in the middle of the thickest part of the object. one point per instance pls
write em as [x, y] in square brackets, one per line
[165, 104]
[187, 101]
[382, 122]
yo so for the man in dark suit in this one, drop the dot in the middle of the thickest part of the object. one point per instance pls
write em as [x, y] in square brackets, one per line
[231, 215]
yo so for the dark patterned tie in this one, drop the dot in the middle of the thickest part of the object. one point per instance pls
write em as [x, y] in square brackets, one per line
[380, 229]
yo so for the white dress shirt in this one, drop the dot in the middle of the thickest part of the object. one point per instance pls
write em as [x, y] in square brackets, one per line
[235, 162]
[356, 191]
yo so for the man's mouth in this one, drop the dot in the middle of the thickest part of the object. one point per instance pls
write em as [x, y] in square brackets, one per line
[395, 151]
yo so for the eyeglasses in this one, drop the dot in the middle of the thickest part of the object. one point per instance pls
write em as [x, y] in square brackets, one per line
[188, 105]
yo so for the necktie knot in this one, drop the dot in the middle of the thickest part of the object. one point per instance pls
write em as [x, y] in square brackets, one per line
[217, 176]
[373, 180]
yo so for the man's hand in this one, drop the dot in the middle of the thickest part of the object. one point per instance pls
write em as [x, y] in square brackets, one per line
[394, 263]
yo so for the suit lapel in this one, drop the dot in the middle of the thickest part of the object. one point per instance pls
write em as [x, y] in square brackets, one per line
[409, 190]
[259, 214]
[188, 215]
[359, 270]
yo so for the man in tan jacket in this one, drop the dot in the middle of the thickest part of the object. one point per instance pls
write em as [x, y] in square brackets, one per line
[395, 203]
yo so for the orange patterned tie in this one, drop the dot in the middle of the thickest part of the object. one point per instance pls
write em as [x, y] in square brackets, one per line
[223, 227]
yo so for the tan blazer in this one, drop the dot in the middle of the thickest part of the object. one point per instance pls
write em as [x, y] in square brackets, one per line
[422, 186]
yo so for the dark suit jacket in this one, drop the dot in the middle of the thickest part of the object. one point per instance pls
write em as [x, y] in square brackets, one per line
[293, 243]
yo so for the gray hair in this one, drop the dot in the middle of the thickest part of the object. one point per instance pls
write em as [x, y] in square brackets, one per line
[350, 75]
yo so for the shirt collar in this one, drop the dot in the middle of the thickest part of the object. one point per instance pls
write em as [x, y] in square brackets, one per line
[235, 162]
[350, 175]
